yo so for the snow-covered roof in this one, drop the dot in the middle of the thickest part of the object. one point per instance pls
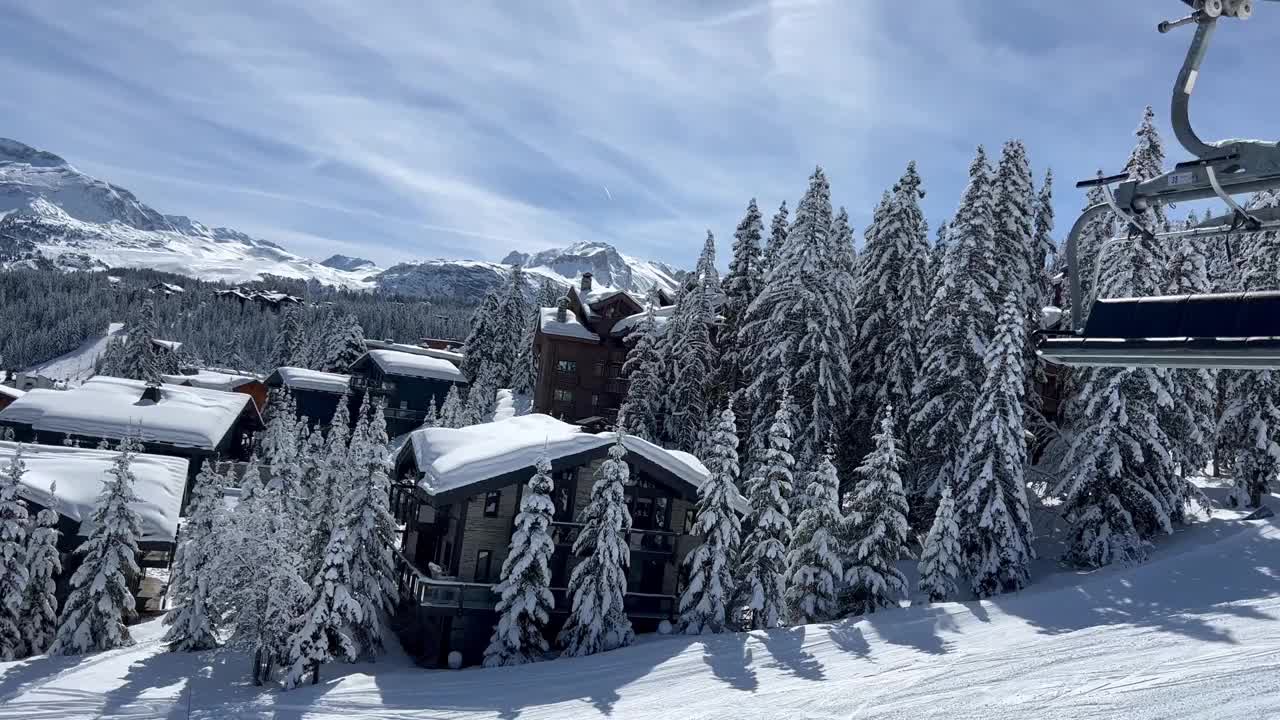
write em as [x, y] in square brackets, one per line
[296, 377]
[7, 391]
[394, 362]
[450, 355]
[79, 474]
[632, 322]
[173, 345]
[571, 327]
[211, 380]
[111, 407]
[451, 459]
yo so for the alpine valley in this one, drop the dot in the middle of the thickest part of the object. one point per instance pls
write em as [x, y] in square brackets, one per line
[53, 215]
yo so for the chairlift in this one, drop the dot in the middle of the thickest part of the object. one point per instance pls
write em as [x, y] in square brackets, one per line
[1227, 331]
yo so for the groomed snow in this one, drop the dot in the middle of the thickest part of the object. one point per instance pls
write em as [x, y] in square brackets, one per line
[454, 458]
[394, 362]
[571, 327]
[302, 378]
[79, 474]
[77, 365]
[110, 407]
[210, 380]
[1192, 634]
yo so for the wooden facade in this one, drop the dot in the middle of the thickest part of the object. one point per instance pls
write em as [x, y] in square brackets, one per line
[408, 398]
[580, 379]
[455, 543]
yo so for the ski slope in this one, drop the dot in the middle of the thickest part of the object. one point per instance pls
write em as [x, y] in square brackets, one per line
[77, 366]
[1190, 634]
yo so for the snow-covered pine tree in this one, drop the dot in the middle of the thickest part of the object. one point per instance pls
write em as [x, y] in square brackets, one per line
[100, 602]
[777, 237]
[481, 348]
[370, 529]
[1190, 419]
[1120, 481]
[334, 480]
[764, 554]
[39, 611]
[876, 531]
[283, 454]
[1013, 212]
[937, 256]
[689, 372]
[704, 604]
[138, 356]
[344, 344]
[321, 634]
[796, 325]
[516, 314]
[481, 398]
[939, 560]
[991, 484]
[814, 568]
[290, 347]
[548, 294]
[1251, 421]
[14, 524]
[960, 316]
[741, 286]
[891, 302]
[193, 618]
[641, 413]
[524, 373]
[525, 603]
[1042, 244]
[452, 413]
[597, 619]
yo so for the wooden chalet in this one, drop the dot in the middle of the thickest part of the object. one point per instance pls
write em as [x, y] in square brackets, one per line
[223, 380]
[316, 394]
[580, 351]
[191, 423]
[70, 479]
[457, 493]
[408, 382]
[8, 395]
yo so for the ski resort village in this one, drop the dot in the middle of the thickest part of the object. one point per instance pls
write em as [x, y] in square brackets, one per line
[931, 434]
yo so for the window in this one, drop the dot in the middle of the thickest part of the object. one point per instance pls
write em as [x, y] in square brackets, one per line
[690, 518]
[642, 514]
[483, 561]
[598, 370]
[615, 371]
[566, 485]
[661, 507]
[564, 396]
[491, 501]
[404, 404]
[595, 400]
[566, 366]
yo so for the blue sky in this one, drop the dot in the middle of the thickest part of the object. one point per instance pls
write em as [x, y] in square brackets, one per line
[408, 129]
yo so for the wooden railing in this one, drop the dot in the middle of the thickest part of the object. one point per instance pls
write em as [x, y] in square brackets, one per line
[654, 541]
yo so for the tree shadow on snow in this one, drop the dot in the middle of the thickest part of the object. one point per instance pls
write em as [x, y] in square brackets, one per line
[919, 630]
[1172, 592]
[730, 660]
[27, 675]
[153, 673]
[849, 638]
[786, 646]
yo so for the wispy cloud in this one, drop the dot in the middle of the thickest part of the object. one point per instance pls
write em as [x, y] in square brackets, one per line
[401, 129]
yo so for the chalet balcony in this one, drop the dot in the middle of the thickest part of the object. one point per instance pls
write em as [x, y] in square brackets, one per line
[451, 597]
[662, 542]
[374, 387]
[406, 414]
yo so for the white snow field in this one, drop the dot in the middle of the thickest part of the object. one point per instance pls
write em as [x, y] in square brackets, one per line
[1193, 633]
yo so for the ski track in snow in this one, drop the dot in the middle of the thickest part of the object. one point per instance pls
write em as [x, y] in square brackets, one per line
[77, 365]
[1190, 634]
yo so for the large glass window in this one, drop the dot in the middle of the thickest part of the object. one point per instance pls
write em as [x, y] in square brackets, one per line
[566, 366]
[484, 559]
[566, 487]
[492, 500]
[562, 395]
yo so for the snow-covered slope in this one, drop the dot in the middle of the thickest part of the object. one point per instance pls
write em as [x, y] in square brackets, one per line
[48, 209]
[1191, 634]
[611, 270]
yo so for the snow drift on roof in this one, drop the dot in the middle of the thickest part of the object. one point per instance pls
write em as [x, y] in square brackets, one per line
[110, 407]
[571, 327]
[451, 459]
[210, 380]
[80, 474]
[413, 365]
[632, 322]
[7, 391]
[302, 378]
[450, 355]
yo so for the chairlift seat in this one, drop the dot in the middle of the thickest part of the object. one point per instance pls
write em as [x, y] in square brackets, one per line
[1229, 331]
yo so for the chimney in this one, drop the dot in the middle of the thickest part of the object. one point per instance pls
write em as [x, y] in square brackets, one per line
[562, 305]
[151, 393]
[586, 282]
